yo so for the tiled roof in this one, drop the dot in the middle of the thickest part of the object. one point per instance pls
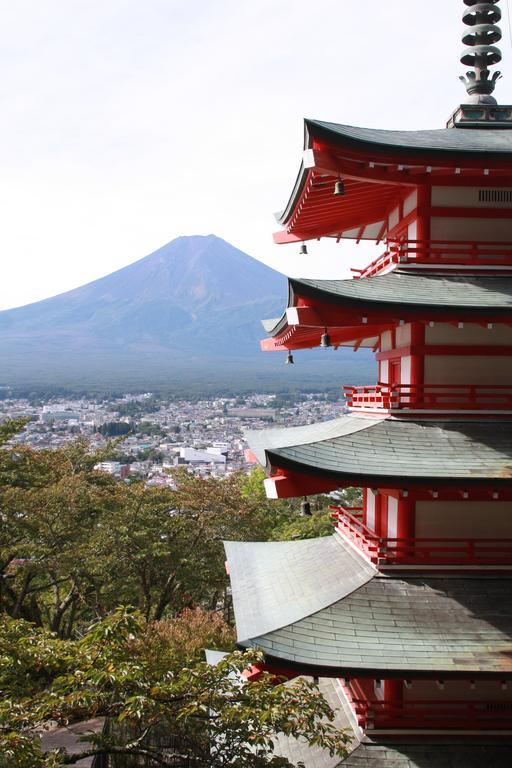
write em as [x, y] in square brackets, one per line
[296, 750]
[411, 290]
[430, 755]
[451, 140]
[277, 583]
[261, 440]
[435, 625]
[389, 449]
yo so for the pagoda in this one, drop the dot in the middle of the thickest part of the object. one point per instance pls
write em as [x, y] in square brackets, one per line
[408, 605]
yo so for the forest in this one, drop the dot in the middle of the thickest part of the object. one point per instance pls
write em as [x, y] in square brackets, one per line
[111, 591]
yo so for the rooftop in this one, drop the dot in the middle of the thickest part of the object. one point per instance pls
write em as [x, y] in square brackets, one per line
[370, 450]
[497, 143]
[372, 754]
[440, 625]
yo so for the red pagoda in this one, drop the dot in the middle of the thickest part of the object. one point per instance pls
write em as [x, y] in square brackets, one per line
[408, 605]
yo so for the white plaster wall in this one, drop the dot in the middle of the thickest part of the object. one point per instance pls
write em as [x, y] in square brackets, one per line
[428, 690]
[370, 510]
[464, 519]
[403, 335]
[394, 217]
[494, 230]
[405, 371]
[412, 230]
[444, 333]
[466, 369]
[463, 197]
[386, 341]
[392, 517]
[384, 371]
[411, 202]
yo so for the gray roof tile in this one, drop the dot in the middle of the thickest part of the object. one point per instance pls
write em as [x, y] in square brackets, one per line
[422, 450]
[443, 625]
[452, 140]
[410, 290]
[276, 583]
[401, 290]
[430, 755]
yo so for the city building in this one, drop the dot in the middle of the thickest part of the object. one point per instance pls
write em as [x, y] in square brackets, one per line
[408, 605]
[114, 468]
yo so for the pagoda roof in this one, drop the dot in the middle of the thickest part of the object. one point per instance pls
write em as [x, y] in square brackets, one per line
[385, 450]
[487, 141]
[384, 298]
[447, 626]
[425, 292]
[374, 164]
[280, 582]
[389, 754]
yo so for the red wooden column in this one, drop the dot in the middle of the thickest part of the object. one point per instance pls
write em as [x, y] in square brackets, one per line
[393, 690]
[417, 361]
[406, 525]
[418, 329]
[423, 220]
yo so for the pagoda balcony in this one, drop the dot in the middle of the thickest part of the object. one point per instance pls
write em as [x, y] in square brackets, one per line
[444, 551]
[376, 714]
[434, 397]
[439, 254]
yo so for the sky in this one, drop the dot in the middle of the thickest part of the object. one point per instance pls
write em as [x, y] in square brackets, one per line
[127, 123]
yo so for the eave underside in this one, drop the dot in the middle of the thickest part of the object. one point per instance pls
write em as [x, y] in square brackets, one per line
[375, 165]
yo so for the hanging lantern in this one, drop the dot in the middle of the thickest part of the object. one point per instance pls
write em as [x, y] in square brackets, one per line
[289, 359]
[305, 508]
[339, 188]
[303, 251]
[325, 341]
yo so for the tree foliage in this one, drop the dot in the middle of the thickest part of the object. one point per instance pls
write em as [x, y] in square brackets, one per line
[76, 543]
[161, 704]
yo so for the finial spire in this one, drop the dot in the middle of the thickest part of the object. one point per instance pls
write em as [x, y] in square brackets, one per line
[481, 52]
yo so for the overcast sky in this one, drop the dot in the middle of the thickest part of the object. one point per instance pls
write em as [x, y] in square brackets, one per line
[126, 123]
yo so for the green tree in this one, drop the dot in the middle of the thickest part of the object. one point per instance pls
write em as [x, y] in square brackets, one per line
[116, 428]
[166, 713]
[162, 550]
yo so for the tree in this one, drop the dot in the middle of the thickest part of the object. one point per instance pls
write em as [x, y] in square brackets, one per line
[50, 503]
[116, 428]
[158, 708]
[75, 542]
[162, 551]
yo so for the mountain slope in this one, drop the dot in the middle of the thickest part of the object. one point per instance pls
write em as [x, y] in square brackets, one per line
[192, 306]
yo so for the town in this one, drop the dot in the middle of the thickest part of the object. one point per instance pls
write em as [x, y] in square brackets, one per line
[149, 435]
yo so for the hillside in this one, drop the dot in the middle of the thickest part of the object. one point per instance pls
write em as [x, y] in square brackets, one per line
[189, 311]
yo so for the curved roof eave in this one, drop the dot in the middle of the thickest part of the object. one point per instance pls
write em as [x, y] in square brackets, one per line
[403, 625]
[469, 143]
[384, 450]
[441, 142]
[403, 290]
[300, 181]
[264, 578]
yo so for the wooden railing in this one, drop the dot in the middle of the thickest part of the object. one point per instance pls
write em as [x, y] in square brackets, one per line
[442, 254]
[421, 551]
[443, 397]
[467, 715]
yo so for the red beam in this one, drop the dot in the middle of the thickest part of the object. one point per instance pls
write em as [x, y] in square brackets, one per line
[287, 485]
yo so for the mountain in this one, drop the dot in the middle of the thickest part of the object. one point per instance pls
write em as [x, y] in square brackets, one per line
[190, 309]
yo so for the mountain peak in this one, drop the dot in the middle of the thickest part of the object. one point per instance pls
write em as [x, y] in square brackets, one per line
[196, 289]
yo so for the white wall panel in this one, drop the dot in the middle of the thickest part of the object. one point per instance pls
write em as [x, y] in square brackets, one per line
[464, 519]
